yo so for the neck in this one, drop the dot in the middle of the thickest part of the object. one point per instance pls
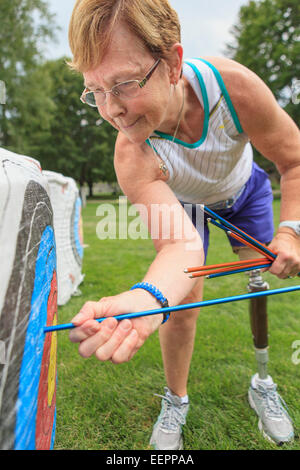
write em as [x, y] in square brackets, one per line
[175, 111]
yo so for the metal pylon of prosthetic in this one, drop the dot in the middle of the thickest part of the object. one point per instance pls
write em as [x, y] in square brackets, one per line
[259, 321]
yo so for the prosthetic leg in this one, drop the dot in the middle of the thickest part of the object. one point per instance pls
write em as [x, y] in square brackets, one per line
[274, 420]
[259, 322]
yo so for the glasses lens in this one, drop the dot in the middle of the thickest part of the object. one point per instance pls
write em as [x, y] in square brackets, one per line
[94, 98]
[127, 89]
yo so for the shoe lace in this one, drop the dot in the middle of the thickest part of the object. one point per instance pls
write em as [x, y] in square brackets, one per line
[273, 401]
[172, 415]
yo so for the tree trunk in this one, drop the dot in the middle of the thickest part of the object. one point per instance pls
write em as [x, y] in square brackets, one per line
[90, 185]
[82, 176]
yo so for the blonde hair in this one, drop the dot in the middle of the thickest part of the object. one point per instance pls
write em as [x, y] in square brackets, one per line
[154, 22]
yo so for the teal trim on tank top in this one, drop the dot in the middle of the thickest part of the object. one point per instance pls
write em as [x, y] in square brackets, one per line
[148, 142]
[206, 114]
[225, 94]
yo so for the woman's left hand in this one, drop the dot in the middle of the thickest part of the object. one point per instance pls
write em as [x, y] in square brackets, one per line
[287, 247]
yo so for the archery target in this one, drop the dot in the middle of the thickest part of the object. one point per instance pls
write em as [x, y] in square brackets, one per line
[67, 205]
[28, 302]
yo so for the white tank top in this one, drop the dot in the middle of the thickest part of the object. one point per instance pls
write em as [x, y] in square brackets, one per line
[219, 164]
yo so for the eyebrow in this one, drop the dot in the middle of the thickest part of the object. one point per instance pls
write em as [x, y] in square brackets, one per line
[116, 79]
[90, 86]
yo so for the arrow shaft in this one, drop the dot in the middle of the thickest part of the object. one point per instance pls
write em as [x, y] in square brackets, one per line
[244, 235]
[203, 303]
[236, 271]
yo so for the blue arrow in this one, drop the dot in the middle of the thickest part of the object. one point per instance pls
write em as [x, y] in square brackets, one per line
[204, 303]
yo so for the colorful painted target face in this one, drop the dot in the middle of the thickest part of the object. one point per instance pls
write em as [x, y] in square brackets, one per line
[28, 376]
[35, 426]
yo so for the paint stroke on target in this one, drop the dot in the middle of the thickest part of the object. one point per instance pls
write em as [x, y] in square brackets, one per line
[36, 416]
[77, 230]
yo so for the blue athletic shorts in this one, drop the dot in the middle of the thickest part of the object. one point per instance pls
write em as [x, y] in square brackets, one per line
[252, 212]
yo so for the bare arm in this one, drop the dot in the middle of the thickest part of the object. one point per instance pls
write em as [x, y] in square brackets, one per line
[275, 135]
[137, 170]
[175, 239]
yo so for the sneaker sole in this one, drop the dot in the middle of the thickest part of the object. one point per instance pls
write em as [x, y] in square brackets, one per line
[153, 444]
[260, 426]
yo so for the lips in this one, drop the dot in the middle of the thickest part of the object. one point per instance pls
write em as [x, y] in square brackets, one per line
[128, 126]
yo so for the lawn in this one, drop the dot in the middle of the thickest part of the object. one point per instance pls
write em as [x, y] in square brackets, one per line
[102, 406]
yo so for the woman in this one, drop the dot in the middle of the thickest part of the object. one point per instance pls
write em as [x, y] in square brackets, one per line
[184, 131]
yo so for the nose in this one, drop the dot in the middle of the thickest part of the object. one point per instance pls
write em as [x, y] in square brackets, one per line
[114, 106]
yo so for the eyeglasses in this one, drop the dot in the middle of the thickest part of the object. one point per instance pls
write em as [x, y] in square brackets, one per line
[124, 90]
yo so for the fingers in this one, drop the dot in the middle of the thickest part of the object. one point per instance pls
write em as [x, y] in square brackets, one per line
[90, 328]
[85, 324]
[109, 340]
[287, 262]
[87, 312]
[284, 267]
[127, 348]
[119, 340]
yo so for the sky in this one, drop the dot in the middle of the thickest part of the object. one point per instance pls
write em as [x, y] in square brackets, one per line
[205, 25]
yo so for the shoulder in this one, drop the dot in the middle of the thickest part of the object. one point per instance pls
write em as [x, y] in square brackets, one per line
[267, 125]
[241, 82]
[250, 96]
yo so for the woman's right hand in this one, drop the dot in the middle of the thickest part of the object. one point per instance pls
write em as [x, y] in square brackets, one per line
[113, 340]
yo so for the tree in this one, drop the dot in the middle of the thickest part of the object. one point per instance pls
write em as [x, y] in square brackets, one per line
[24, 28]
[266, 40]
[43, 116]
[77, 142]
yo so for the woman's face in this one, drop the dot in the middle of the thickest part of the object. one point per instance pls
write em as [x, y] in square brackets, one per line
[127, 59]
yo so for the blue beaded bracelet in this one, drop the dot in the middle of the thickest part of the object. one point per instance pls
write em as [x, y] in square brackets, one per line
[157, 294]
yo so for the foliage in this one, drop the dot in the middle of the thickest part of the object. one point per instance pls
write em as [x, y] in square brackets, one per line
[77, 142]
[266, 40]
[25, 26]
[43, 116]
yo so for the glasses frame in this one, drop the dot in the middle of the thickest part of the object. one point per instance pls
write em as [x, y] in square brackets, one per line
[115, 92]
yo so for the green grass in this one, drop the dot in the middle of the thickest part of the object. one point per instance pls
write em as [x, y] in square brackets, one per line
[107, 407]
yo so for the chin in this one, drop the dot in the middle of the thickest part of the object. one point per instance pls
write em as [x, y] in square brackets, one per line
[137, 138]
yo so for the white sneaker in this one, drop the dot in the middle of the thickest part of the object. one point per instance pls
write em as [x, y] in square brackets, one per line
[167, 431]
[274, 420]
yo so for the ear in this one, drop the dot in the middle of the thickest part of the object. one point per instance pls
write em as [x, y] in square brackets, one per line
[175, 62]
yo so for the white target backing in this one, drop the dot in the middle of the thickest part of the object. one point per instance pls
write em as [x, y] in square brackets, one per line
[66, 204]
